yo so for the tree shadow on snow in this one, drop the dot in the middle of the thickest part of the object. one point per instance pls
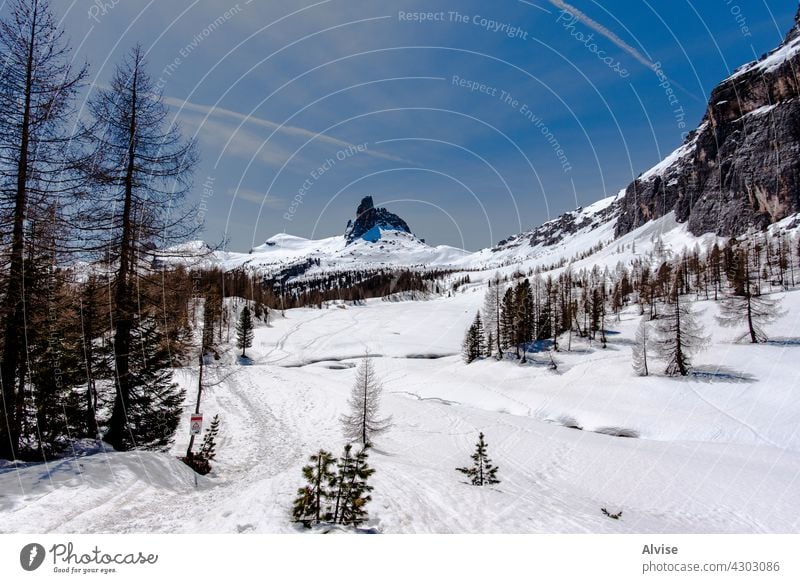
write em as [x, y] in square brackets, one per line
[618, 432]
[783, 341]
[568, 422]
[720, 374]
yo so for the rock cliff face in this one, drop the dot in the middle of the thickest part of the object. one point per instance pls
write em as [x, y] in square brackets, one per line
[741, 167]
[370, 221]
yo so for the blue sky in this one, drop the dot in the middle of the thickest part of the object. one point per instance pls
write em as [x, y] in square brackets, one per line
[473, 122]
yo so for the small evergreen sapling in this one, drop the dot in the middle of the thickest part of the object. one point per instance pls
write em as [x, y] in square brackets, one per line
[208, 449]
[352, 491]
[200, 462]
[313, 502]
[474, 346]
[482, 472]
[244, 331]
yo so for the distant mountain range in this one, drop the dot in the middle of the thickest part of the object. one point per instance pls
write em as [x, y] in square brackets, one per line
[739, 170]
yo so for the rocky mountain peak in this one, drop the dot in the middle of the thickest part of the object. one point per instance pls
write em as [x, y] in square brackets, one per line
[795, 32]
[741, 167]
[371, 220]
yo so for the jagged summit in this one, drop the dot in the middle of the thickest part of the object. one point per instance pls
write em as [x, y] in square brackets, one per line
[370, 221]
[740, 168]
[795, 31]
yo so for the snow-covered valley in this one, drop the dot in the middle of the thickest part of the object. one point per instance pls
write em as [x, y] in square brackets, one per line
[718, 451]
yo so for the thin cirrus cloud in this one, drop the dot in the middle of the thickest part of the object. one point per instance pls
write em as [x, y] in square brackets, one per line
[599, 28]
[256, 197]
[252, 120]
[238, 143]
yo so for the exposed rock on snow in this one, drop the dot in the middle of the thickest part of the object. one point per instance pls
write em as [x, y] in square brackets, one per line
[370, 221]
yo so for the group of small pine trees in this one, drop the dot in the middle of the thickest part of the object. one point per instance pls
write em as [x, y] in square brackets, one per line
[533, 310]
[336, 490]
[475, 343]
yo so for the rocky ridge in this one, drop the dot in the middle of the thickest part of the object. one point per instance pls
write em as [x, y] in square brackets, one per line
[370, 221]
[741, 167]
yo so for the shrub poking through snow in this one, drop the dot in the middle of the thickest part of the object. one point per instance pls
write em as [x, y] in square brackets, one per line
[482, 472]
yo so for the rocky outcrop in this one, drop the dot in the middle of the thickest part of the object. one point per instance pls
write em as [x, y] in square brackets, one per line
[741, 167]
[370, 221]
[553, 232]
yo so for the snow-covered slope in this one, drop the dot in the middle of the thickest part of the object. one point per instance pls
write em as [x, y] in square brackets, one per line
[335, 253]
[569, 235]
[718, 451]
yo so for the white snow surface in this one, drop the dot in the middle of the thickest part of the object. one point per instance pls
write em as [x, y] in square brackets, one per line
[772, 61]
[394, 248]
[675, 157]
[718, 451]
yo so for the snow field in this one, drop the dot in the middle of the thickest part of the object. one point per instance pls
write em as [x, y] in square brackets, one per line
[717, 452]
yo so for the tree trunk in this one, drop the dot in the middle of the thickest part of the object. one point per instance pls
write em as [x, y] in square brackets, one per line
[678, 339]
[753, 337]
[123, 304]
[13, 334]
[364, 414]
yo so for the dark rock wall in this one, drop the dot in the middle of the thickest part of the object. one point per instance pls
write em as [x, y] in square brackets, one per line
[744, 169]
